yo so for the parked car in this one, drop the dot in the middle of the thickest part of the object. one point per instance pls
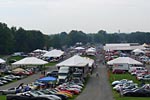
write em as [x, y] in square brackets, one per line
[118, 71]
[16, 97]
[13, 90]
[137, 93]
[121, 82]
[37, 94]
[52, 73]
[146, 77]
[63, 97]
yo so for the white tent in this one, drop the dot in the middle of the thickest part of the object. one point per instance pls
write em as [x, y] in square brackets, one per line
[2, 61]
[39, 50]
[145, 45]
[79, 48]
[91, 50]
[30, 61]
[90, 61]
[76, 61]
[54, 53]
[138, 51]
[124, 60]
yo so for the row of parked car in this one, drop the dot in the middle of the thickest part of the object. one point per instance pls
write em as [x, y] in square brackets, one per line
[61, 92]
[9, 78]
[17, 74]
[141, 73]
[129, 88]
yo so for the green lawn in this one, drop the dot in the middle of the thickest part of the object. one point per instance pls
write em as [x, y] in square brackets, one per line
[2, 97]
[15, 57]
[92, 57]
[113, 77]
[51, 64]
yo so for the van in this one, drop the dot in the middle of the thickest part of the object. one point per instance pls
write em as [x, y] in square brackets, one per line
[63, 74]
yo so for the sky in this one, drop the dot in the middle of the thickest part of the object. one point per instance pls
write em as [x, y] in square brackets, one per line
[90, 16]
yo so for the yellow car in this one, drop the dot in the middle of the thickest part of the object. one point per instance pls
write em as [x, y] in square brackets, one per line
[68, 94]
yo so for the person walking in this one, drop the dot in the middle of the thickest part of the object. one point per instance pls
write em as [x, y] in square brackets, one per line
[97, 75]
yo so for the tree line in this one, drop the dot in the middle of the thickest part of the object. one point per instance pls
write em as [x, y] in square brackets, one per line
[21, 40]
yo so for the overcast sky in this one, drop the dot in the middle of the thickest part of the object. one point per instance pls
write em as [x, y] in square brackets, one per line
[55, 16]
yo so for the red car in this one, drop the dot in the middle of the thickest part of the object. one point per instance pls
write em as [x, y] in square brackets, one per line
[118, 71]
[71, 91]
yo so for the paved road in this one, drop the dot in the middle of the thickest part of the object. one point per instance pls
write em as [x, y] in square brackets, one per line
[97, 88]
[27, 80]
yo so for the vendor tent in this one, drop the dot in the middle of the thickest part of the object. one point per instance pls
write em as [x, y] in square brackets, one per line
[124, 60]
[90, 61]
[145, 45]
[18, 70]
[39, 50]
[47, 79]
[30, 61]
[138, 51]
[76, 60]
[79, 48]
[91, 50]
[54, 53]
[2, 61]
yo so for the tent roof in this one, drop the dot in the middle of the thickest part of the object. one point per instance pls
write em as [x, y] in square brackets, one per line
[138, 51]
[39, 50]
[124, 60]
[76, 60]
[18, 70]
[145, 45]
[47, 79]
[79, 48]
[2, 61]
[30, 61]
[91, 49]
[90, 61]
[54, 53]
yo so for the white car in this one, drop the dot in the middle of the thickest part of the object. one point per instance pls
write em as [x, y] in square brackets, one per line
[37, 94]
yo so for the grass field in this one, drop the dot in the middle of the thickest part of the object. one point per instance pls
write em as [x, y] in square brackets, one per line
[2, 97]
[15, 57]
[113, 77]
[51, 64]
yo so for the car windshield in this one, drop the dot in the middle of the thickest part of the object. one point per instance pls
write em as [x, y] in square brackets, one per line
[45, 91]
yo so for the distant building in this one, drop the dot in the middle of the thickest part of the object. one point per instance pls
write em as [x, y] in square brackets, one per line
[123, 47]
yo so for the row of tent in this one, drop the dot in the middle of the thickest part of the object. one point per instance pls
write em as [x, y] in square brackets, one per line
[124, 60]
[76, 60]
[59, 53]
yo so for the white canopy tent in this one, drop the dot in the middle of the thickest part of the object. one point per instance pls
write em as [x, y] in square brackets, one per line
[79, 48]
[30, 61]
[145, 45]
[124, 60]
[2, 61]
[76, 61]
[39, 50]
[54, 53]
[138, 51]
[90, 61]
[91, 50]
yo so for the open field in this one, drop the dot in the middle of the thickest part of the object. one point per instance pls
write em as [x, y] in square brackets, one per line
[2, 97]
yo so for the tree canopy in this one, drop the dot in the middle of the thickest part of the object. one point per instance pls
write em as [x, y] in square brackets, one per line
[21, 40]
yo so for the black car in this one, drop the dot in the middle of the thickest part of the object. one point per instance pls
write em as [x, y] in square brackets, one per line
[15, 97]
[137, 93]
[52, 73]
